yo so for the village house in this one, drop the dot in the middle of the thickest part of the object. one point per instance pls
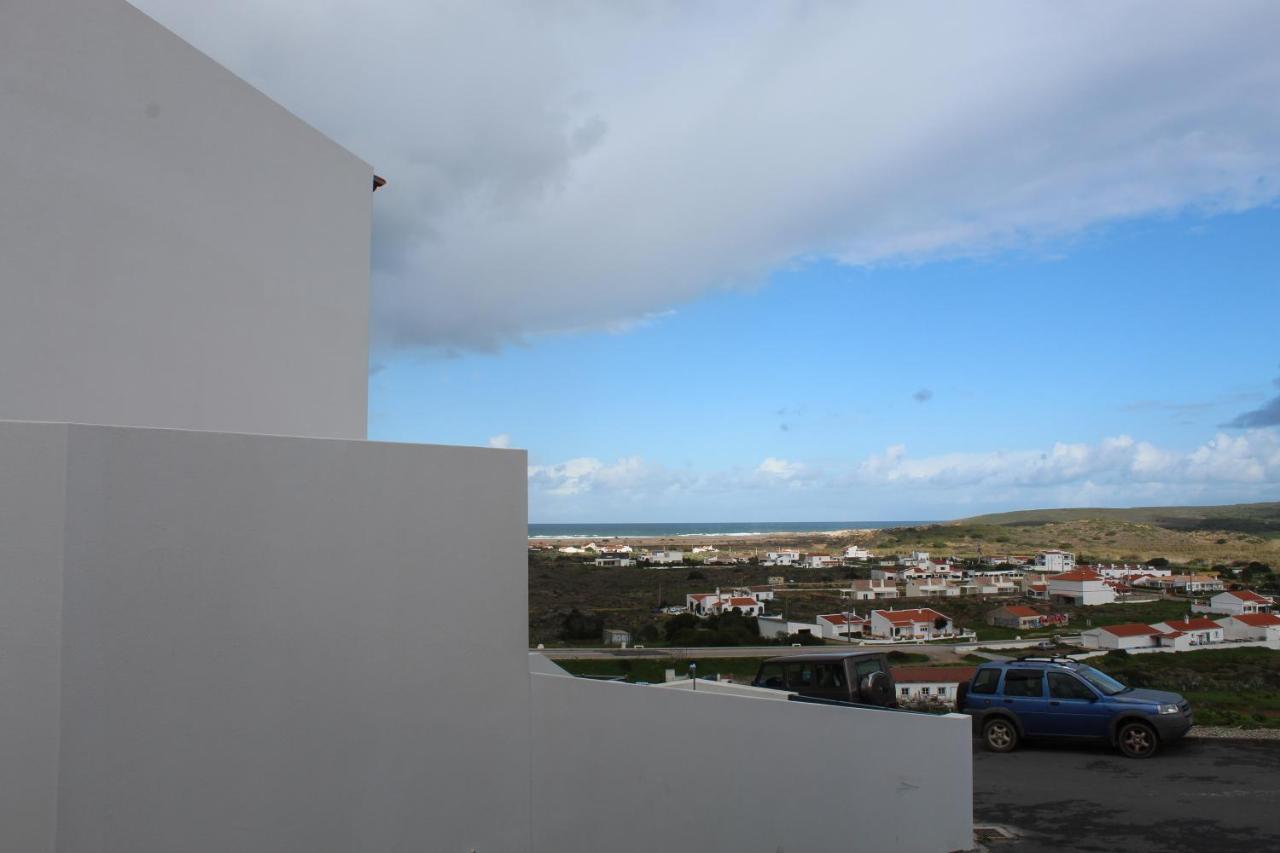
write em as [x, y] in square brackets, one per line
[616, 637]
[1022, 617]
[773, 627]
[994, 584]
[1126, 571]
[612, 561]
[889, 574]
[1252, 626]
[818, 561]
[870, 590]
[1202, 631]
[1038, 591]
[857, 552]
[744, 601]
[1190, 584]
[839, 626]
[1128, 636]
[929, 587]
[930, 685]
[781, 558]
[923, 623]
[1237, 601]
[1080, 587]
[1054, 561]
[761, 593]
[664, 557]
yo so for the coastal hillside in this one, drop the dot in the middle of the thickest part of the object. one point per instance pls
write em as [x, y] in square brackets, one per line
[1258, 518]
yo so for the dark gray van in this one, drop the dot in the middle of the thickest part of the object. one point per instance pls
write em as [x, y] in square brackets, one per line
[863, 678]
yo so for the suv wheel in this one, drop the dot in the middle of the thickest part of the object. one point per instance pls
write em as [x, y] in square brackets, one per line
[1000, 734]
[1137, 740]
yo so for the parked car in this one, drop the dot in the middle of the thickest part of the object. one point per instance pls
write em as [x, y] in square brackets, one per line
[864, 678]
[1035, 697]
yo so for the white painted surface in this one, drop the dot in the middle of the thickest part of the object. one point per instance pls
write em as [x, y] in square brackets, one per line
[863, 780]
[176, 250]
[265, 644]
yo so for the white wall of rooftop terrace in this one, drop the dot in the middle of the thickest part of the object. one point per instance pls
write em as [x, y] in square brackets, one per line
[623, 767]
[214, 642]
[176, 249]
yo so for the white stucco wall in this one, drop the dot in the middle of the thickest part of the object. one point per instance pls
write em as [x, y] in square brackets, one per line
[612, 771]
[228, 642]
[176, 249]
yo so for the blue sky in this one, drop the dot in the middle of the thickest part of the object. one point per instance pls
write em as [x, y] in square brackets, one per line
[1160, 329]
[789, 261]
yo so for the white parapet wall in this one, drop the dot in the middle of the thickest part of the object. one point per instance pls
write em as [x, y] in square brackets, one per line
[632, 769]
[213, 642]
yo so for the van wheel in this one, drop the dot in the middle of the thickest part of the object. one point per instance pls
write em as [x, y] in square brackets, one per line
[1000, 735]
[1137, 740]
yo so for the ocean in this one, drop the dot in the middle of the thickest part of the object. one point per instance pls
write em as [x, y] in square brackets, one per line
[714, 528]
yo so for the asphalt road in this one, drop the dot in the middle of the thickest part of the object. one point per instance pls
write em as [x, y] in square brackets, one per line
[1195, 795]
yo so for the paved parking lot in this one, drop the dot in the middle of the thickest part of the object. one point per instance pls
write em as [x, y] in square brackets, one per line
[1196, 795]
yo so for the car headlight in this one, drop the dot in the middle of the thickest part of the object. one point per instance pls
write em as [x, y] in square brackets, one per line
[1168, 709]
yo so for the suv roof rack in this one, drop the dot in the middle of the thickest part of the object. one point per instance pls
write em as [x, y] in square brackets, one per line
[1047, 659]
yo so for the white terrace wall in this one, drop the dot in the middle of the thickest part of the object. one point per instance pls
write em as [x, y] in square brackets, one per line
[214, 642]
[176, 250]
[632, 769]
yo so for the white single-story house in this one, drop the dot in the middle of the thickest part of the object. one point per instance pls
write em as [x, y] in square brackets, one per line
[870, 590]
[922, 623]
[1128, 636]
[1201, 630]
[1252, 626]
[1237, 601]
[857, 552]
[835, 626]
[614, 562]
[616, 637]
[819, 561]
[775, 626]
[930, 684]
[760, 593]
[782, 558]
[664, 557]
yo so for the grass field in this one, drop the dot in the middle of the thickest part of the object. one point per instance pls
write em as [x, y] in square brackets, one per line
[1226, 687]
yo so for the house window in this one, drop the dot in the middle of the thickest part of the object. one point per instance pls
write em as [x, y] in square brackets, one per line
[924, 691]
[905, 691]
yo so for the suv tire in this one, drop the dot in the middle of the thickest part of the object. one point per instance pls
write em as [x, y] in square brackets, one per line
[1137, 740]
[1000, 734]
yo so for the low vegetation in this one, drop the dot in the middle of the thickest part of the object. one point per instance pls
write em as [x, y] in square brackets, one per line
[1226, 687]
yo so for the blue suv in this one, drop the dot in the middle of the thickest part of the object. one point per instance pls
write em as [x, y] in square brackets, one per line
[1059, 697]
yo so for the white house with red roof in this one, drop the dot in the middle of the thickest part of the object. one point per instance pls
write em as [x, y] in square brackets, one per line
[923, 623]
[1252, 626]
[930, 685]
[1128, 636]
[744, 601]
[1080, 587]
[838, 626]
[1201, 630]
[1237, 601]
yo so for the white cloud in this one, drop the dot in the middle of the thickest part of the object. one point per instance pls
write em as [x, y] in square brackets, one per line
[557, 166]
[500, 440]
[1114, 471]
[779, 468]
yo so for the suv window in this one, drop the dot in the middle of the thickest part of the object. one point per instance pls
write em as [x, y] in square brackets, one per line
[1064, 686]
[799, 675]
[986, 681]
[1023, 682]
[866, 667]
[830, 675]
[771, 675]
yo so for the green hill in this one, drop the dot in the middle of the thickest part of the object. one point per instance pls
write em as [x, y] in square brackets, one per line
[1259, 519]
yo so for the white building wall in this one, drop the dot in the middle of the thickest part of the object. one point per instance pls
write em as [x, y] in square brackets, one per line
[221, 642]
[907, 765]
[176, 250]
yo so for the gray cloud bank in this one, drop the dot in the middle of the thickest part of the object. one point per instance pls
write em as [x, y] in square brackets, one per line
[569, 165]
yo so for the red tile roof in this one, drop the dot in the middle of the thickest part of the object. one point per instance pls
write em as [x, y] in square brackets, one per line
[932, 674]
[1040, 587]
[1021, 611]
[1199, 623]
[907, 617]
[1250, 595]
[838, 619]
[1133, 629]
[1258, 620]
[1077, 575]
[743, 602]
